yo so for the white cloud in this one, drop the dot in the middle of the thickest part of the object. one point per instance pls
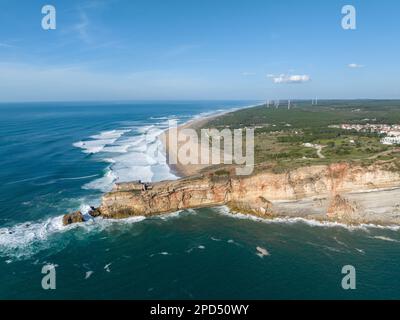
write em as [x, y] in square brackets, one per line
[355, 65]
[285, 78]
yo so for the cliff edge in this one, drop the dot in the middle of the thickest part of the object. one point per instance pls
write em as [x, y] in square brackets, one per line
[340, 192]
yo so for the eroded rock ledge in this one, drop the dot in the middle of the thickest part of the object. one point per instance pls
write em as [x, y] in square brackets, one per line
[339, 192]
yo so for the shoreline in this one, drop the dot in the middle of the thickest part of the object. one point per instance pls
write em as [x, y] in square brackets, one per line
[181, 170]
[339, 192]
[323, 193]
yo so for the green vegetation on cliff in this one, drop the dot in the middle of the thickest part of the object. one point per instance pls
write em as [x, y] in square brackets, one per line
[303, 135]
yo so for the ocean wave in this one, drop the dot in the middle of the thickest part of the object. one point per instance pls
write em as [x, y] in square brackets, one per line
[24, 240]
[99, 141]
[298, 220]
[172, 215]
[138, 155]
[199, 247]
[26, 180]
[262, 252]
[53, 181]
[133, 153]
[164, 253]
[103, 184]
[382, 238]
[112, 134]
[78, 178]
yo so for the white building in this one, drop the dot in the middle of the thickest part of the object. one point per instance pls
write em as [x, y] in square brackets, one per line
[391, 140]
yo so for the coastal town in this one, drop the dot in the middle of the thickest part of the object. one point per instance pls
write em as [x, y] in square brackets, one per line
[390, 133]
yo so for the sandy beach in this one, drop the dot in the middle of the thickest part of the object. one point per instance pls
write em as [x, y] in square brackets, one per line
[184, 170]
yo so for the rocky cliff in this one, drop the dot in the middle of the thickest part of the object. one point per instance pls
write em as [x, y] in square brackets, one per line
[328, 192]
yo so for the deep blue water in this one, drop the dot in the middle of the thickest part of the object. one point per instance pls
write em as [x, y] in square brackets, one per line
[60, 157]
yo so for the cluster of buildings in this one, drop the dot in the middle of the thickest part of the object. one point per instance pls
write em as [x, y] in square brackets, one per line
[391, 132]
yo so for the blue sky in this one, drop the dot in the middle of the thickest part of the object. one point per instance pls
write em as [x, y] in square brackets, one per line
[208, 49]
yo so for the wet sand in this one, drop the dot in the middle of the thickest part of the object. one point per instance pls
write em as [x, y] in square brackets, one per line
[179, 169]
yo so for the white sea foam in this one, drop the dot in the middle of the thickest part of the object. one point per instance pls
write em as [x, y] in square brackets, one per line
[79, 178]
[310, 222]
[16, 241]
[103, 184]
[134, 153]
[93, 146]
[107, 267]
[171, 215]
[200, 247]
[340, 242]
[130, 220]
[26, 239]
[99, 141]
[26, 180]
[262, 252]
[108, 135]
[164, 253]
[385, 239]
[139, 156]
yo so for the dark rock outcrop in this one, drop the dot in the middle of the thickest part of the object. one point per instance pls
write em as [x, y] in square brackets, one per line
[94, 212]
[71, 218]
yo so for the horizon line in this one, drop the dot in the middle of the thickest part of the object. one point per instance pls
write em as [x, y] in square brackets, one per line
[195, 100]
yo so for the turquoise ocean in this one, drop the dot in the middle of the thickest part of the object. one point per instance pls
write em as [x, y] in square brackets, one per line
[60, 157]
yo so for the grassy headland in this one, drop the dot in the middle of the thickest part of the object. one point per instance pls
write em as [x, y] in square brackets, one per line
[309, 134]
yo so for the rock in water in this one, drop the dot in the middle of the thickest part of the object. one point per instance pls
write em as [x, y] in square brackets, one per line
[94, 212]
[71, 218]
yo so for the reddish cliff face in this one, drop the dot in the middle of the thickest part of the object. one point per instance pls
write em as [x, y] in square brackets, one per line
[166, 197]
[259, 194]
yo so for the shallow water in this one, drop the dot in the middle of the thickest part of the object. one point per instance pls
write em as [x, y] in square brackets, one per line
[56, 158]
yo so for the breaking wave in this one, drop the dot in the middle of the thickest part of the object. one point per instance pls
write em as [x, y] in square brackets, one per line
[310, 222]
[133, 152]
[24, 240]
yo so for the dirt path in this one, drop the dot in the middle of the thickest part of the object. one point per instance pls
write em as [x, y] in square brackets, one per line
[317, 147]
[319, 151]
[384, 153]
